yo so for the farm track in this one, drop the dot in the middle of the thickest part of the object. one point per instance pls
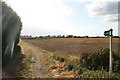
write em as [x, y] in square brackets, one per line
[38, 65]
[37, 59]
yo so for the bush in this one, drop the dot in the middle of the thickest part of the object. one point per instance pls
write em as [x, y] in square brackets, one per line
[94, 74]
[97, 74]
[51, 56]
[99, 60]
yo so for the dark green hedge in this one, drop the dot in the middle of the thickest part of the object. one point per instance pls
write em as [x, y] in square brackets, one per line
[99, 60]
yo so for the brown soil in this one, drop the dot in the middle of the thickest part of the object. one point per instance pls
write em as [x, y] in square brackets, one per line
[74, 46]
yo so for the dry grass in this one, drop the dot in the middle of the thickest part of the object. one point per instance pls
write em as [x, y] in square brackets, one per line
[60, 65]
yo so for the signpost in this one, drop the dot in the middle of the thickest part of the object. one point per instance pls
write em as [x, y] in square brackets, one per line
[110, 34]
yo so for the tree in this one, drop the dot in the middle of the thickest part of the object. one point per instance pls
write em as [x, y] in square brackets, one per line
[70, 36]
[85, 36]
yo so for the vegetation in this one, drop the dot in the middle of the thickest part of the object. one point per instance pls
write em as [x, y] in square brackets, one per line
[97, 64]
[11, 27]
[97, 74]
[27, 37]
[74, 57]
[99, 60]
[24, 68]
[89, 65]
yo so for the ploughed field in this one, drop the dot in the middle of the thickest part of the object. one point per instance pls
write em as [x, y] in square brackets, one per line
[74, 46]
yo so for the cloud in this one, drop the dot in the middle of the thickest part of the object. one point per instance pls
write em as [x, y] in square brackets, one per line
[38, 15]
[42, 17]
[112, 18]
[80, 1]
[107, 9]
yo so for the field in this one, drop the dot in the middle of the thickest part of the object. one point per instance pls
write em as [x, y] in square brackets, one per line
[62, 58]
[74, 46]
[76, 57]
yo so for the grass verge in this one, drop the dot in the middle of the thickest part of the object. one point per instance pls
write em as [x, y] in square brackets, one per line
[24, 68]
[63, 66]
[74, 68]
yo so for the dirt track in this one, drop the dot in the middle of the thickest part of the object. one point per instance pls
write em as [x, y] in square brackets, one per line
[38, 67]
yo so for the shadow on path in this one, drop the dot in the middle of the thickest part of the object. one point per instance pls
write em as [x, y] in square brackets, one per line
[11, 70]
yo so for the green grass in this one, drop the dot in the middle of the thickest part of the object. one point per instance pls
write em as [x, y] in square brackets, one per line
[24, 68]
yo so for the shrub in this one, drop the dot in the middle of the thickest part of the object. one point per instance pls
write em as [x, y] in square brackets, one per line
[97, 74]
[99, 60]
[51, 56]
[93, 74]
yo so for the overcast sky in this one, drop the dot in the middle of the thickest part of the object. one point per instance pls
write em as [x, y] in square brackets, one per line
[66, 17]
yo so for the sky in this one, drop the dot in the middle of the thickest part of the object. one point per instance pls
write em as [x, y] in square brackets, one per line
[66, 17]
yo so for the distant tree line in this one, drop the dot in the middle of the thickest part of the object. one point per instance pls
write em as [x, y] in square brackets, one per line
[60, 36]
